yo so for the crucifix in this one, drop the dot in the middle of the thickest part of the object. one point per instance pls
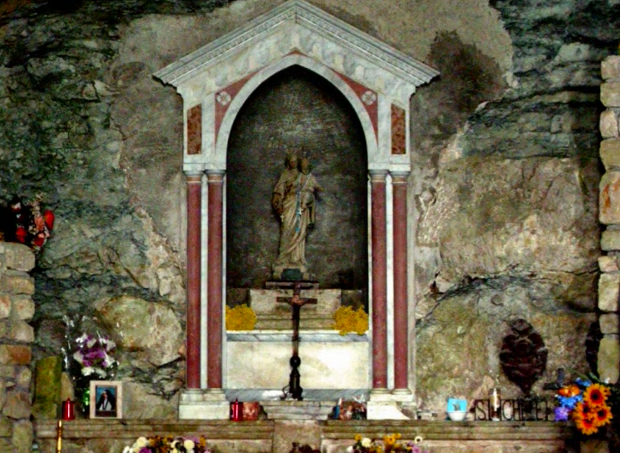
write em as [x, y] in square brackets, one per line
[294, 385]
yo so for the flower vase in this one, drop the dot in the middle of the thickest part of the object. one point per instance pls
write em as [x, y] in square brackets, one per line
[82, 395]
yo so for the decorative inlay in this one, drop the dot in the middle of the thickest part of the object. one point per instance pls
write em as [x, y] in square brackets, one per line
[399, 132]
[194, 130]
[369, 97]
[223, 99]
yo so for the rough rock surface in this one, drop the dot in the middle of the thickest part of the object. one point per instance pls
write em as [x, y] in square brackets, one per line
[83, 122]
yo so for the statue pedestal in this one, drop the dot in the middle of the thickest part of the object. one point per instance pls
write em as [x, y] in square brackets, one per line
[272, 315]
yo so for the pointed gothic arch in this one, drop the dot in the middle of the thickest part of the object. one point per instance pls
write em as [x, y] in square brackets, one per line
[288, 61]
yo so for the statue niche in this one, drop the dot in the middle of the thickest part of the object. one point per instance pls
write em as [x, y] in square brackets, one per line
[296, 111]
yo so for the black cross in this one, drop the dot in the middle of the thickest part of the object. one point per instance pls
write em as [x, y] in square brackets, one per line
[294, 384]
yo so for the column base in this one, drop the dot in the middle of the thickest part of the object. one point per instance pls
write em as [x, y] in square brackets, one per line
[204, 404]
[383, 404]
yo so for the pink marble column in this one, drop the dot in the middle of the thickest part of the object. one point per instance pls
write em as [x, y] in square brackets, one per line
[194, 197]
[379, 279]
[214, 280]
[401, 318]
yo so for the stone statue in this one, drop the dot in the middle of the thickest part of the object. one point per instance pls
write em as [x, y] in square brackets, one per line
[293, 200]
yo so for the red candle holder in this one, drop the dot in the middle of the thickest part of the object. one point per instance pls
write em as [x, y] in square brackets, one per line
[68, 410]
[236, 411]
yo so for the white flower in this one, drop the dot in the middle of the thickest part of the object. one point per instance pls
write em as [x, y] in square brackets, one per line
[188, 444]
[141, 442]
[366, 442]
[87, 370]
[128, 450]
[91, 342]
[78, 356]
[349, 449]
[418, 440]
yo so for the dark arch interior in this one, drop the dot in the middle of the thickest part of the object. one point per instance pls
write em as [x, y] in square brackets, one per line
[297, 109]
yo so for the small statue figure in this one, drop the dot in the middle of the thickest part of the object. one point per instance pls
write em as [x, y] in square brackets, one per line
[293, 200]
[24, 222]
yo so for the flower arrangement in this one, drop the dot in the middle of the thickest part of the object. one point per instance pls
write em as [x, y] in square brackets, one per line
[240, 317]
[91, 359]
[93, 355]
[348, 320]
[390, 445]
[587, 403]
[168, 444]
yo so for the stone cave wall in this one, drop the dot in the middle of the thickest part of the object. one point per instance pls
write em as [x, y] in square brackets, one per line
[504, 184]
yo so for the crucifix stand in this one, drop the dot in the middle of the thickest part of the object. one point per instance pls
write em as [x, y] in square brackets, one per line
[294, 389]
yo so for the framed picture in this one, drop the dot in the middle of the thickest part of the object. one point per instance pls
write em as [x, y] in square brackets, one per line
[106, 399]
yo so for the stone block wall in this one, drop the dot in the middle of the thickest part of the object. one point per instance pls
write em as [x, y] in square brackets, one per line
[609, 213]
[16, 338]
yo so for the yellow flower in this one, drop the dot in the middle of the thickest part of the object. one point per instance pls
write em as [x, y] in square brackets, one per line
[596, 395]
[348, 320]
[586, 425]
[240, 317]
[602, 415]
[358, 437]
[389, 440]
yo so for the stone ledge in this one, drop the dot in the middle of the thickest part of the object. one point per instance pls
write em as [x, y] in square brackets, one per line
[444, 430]
[132, 429]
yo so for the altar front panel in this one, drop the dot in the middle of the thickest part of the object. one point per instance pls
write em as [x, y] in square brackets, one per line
[260, 360]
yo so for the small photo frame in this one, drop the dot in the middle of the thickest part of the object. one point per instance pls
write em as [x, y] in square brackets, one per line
[106, 399]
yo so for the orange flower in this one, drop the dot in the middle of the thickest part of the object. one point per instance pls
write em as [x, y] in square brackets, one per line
[586, 425]
[581, 412]
[602, 415]
[569, 391]
[596, 395]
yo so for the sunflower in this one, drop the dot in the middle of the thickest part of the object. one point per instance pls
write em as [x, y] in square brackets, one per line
[389, 440]
[602, 415]
[596, 395]
[581, 411]
[586, 425]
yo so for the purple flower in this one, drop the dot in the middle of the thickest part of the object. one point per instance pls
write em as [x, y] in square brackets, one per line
[145, 450]
[561, 413]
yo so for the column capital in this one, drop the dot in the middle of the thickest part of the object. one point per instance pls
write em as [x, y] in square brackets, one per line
[378, 175]
[193, 177]
[400, 176]
[215, 176]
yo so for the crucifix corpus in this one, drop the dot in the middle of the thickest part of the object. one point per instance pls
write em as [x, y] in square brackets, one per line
[293, 389]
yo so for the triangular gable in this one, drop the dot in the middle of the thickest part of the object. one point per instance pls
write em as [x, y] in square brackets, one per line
[297, 26]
